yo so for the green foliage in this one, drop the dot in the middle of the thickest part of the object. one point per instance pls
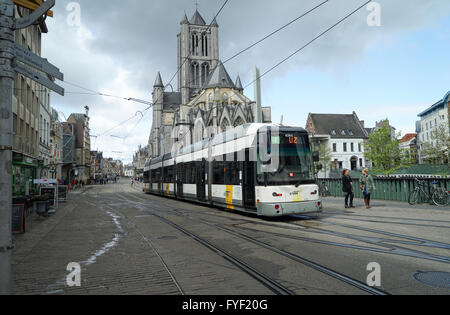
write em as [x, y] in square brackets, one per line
[437, 150]
[325, 155]
[384, 151]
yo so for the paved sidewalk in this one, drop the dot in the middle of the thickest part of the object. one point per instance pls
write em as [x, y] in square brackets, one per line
[385, 204]
[113, 257]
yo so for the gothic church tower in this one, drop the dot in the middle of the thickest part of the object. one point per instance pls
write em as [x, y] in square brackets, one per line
[198, 54]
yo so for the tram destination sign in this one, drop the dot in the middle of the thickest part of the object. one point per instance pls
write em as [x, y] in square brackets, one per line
[22, 69]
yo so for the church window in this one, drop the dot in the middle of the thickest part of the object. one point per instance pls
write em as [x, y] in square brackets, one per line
[195, 41]
[195, 72]
[238, 122]
[225, 125]
[224, 99]
[205, 72]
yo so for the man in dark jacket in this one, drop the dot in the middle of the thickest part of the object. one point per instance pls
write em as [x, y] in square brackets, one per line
[347, 188]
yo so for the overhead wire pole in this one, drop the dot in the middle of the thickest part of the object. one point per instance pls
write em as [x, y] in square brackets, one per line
[6, 129]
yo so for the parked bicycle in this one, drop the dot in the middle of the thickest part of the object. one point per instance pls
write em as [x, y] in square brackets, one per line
[323, 190]
[439, 196]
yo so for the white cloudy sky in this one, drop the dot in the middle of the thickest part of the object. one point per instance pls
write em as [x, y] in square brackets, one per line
[393, 71]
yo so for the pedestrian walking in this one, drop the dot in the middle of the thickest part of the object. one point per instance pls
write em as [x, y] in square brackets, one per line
[347, 188]
[367, 186]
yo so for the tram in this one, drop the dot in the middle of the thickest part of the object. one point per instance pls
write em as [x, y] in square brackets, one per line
[236, 171]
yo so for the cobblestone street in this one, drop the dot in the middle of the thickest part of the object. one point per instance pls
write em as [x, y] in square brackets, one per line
[128, 242]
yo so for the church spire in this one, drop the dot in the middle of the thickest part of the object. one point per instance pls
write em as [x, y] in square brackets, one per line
[185, 19]
[158, 82]
[239, 84]
[197, 19]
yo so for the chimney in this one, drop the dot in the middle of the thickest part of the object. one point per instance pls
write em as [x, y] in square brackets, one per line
[363, 123]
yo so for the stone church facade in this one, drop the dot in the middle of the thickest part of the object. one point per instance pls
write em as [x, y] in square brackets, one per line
[208, 101]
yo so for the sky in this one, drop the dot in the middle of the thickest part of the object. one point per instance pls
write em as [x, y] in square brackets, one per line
[394, 70]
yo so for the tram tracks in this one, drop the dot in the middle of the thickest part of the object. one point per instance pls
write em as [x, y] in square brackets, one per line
[387, 243]
[149, 244]
[274, 285]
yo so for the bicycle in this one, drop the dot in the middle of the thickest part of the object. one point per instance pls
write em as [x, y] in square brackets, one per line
[323, 190]
[439, 196]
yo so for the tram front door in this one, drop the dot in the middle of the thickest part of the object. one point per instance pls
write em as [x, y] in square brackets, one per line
[248, 181]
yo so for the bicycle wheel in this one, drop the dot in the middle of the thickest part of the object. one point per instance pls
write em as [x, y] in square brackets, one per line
[413, 197]
[441, 197]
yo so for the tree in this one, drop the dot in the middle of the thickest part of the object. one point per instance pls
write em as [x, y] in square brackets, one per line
[437, 150]
[325, 155]
[384, 151]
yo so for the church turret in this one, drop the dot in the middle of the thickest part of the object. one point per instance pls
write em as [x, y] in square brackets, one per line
[185, 20]
[158, 100]
[238, 84]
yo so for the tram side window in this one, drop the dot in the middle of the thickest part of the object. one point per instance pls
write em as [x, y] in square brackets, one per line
[169, 174]
[155, 175]
[218, 173]
[232, 173]
[187, 173]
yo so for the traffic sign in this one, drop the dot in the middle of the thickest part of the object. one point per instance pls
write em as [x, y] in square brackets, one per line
[37, 62]
[35, 15]
[38, 78]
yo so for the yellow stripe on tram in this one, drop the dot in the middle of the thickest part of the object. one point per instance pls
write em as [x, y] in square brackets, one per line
[229, 198]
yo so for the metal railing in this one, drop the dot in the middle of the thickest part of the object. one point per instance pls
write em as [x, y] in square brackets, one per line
[393, 189]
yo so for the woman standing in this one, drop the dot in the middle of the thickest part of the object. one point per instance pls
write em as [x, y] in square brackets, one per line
[367, 186]
[347, 188]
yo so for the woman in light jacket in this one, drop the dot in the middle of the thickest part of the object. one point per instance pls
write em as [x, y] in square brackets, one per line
[367, 186]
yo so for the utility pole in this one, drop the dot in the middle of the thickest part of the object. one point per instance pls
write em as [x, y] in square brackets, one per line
[6, 129]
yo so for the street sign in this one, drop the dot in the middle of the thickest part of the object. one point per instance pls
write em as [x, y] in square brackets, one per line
[37, 62]
[38, 78]
[45, 181]
[33, 17]
[30, 4]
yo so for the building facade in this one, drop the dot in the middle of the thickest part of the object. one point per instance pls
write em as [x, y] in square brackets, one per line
[433, 118]
[80, 124]
[45, 115]
[408, 146]
[56, 146]
[343, 137]
[27, 101]
[207, 102]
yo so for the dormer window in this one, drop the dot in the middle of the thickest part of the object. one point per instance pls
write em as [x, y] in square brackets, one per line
[343, 133]
[350, 132]
[333, 132]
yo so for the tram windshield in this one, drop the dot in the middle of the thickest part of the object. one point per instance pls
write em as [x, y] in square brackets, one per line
[294, 161]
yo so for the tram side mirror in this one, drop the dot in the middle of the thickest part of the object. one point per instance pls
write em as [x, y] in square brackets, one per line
[316, 156]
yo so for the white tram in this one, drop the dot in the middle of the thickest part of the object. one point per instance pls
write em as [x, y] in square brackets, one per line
[227, 171]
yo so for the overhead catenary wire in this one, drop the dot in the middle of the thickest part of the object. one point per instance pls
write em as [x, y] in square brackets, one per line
[170, 82]
[309, 43]
[302, 48]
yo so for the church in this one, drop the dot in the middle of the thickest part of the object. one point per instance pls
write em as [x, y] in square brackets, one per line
[207, 102]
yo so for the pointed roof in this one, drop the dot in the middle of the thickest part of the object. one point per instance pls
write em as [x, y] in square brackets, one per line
[239, 83]
[197, 19]
[219, 77]
[185, 19]
[214, 23]
[158, 82]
